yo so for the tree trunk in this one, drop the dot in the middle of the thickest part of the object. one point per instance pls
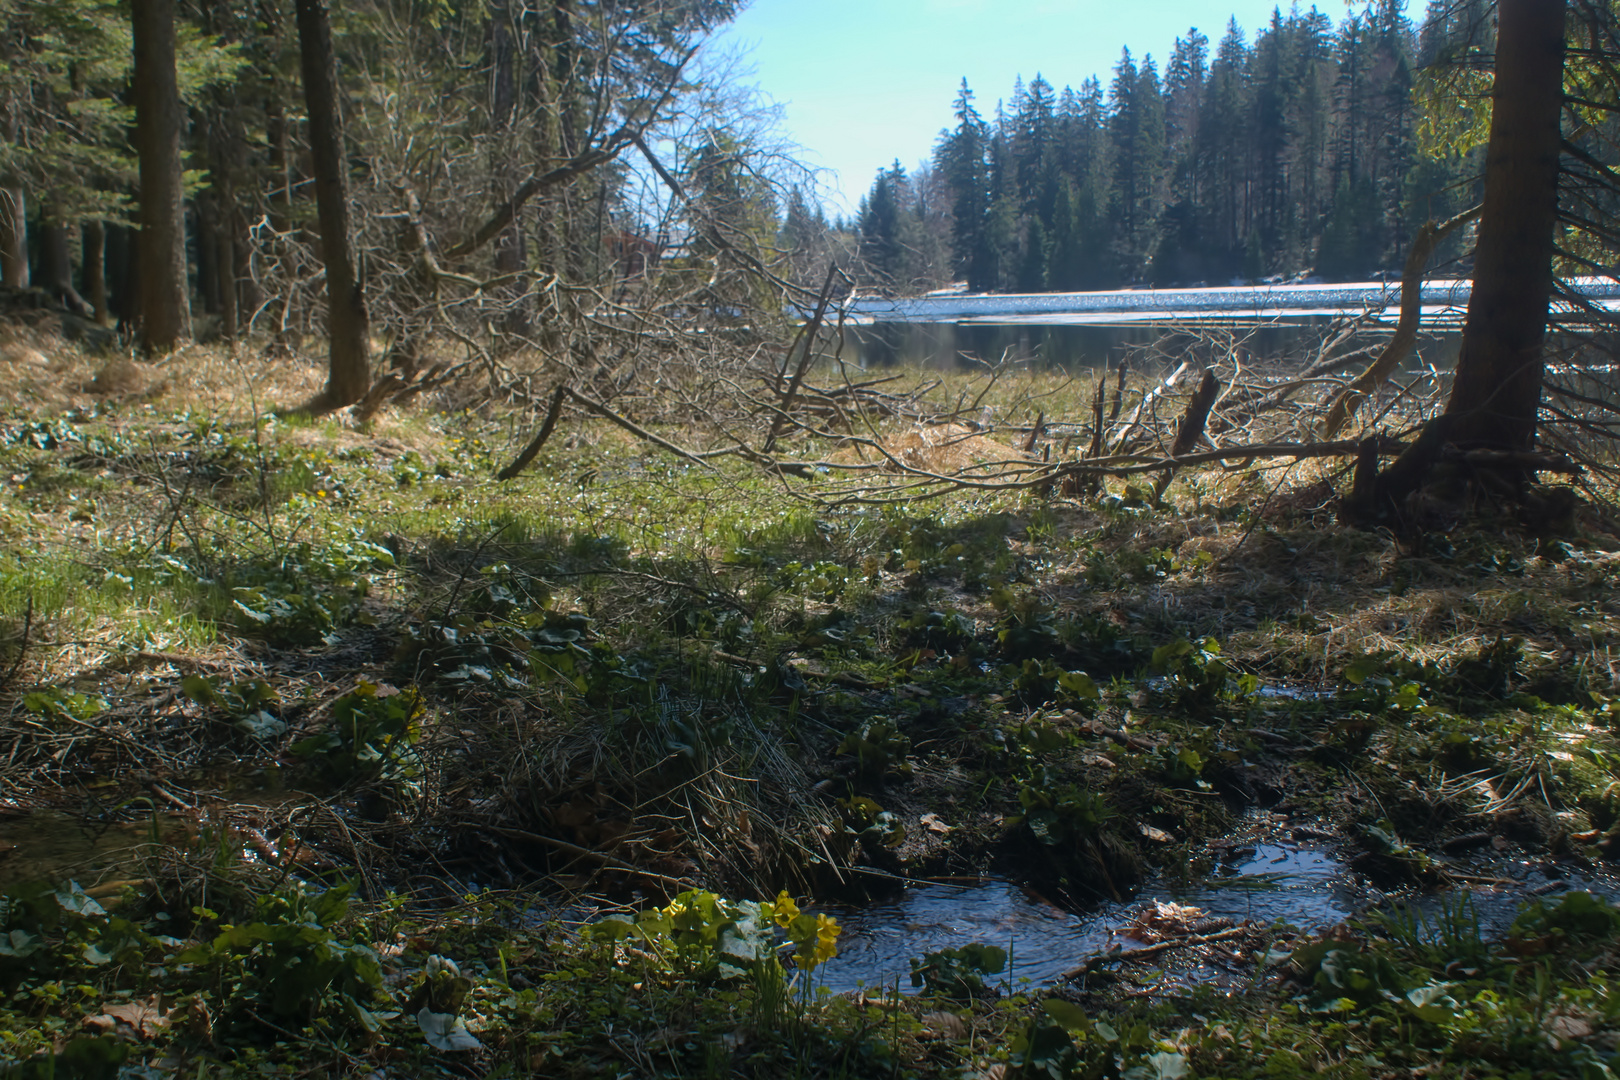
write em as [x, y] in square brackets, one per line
[13, 238]
[1497, 394]
[348, 328]
[56, 269]
[224, 151]
[206, 231]
[511, 253]
[1496, 397]
[225, 267]
[93, 239]
[123, 270]
[165, 316]
[275, 137]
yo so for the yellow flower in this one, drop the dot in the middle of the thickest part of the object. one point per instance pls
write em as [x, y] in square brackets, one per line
[784, 911]
[827, 931]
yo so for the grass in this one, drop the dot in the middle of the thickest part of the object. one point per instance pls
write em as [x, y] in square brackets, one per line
[306, 658]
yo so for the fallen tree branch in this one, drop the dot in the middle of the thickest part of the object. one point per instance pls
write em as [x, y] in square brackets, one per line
[1134, 421]
[1406, 328]
[1192, 424]
[642, 433]
[809, 333]
[1153, 950]
[529, 452]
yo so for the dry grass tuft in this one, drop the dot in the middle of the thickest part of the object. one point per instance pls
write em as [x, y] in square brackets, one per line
[122, 377]
[944, 448]
[41, 371]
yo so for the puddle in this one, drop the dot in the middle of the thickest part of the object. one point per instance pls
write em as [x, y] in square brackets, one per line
[49, 845]
[1289, 692]
[1305, 886]
[55, 845]
[880, 939]
[1498, 905]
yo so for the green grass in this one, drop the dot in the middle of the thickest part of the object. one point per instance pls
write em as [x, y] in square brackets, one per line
[652, 675]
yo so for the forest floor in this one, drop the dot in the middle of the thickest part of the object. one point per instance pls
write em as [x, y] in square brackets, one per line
[322, 752]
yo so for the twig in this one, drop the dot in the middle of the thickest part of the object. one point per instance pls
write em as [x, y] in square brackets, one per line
[586, 853]
[1154, 950]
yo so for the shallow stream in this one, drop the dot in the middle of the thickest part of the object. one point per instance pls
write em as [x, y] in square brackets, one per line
[1303, 884]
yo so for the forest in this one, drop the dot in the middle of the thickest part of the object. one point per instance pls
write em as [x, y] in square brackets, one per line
[466, 610]
[1310, 151]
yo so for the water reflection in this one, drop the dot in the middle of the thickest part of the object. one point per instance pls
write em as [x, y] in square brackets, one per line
[1307, 888]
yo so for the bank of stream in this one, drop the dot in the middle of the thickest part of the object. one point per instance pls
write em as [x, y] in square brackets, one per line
[1265, 878]
[619, 681]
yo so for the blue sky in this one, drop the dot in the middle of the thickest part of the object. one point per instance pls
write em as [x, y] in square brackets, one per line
[863, 82]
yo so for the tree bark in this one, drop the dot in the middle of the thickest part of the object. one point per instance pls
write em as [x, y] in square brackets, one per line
[1496, 398]
[1497, 395]
[56, 269]
[511, 253]
[348, 326]
[165, 314]
[13, 238]
[225, 265]
[275, 138]
[205, 229]
[93, 239]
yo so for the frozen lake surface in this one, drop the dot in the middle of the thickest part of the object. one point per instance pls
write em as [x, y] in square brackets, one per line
[1443, 299]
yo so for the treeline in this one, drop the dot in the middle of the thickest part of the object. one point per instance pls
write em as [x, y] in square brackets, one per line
[1313, 149]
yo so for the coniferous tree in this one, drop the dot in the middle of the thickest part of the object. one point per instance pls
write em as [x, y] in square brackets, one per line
[1183, 87]
[165, 303]
[961, 160]
[348, 322]
[1222, 157]
[879, 224]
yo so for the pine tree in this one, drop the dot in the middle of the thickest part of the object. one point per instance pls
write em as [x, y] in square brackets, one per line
[1222, 157]
[961, 158]
[879, 225]
[1137, 136]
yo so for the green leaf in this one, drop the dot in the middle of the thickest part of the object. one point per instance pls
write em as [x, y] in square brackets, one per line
[1067, 1013]
[1080, 685]
[261, 725]
[91, 1059]
[1046, 826]
[21, 944]
[201, 689]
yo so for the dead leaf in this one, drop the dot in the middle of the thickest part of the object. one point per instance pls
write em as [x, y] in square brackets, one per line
[933, 824]
[1160, 920]
[143, 1018]
[1568, 1027]
[1158, 836]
